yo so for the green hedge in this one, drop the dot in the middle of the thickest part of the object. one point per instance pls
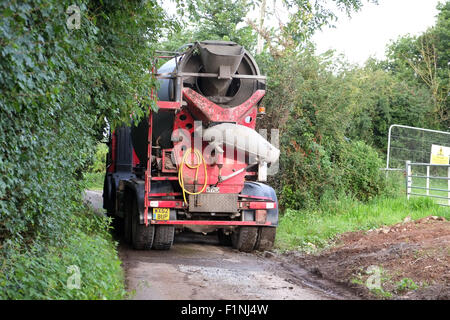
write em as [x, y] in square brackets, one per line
[57, 85]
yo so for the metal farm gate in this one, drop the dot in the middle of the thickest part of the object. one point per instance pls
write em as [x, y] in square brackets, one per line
[413, 144]
[409, 151]
[441, 189]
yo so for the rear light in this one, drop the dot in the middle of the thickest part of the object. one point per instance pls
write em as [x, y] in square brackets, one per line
[262, 205]
[262, 110]
[154, 204]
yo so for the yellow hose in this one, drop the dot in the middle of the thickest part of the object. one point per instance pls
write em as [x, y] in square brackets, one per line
[199, 157]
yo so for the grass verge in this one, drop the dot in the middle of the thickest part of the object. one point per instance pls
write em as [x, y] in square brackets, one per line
[81, 263]
[315, 229]
[93, 180]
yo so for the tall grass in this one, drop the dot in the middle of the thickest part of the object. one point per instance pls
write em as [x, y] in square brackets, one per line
[44, 269]
[312, 230]
[435, 184]
[93, 180]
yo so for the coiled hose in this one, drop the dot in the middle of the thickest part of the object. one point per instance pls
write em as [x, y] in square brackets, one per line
[199, 157]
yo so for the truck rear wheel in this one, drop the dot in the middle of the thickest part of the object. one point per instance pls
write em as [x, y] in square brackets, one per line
[244, 238]
[141, 235]
[224, 239]
[127, 226]
[266, 238]
[127, 220]
[117, 226]
[164, 236]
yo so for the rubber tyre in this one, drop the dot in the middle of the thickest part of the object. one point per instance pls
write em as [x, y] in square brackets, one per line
[266, 238]
[141, 235]
[164, 236]
[224, 240]
[127, 220]
[127, 226]
[107, 194]
[244, 238]
[117, 225]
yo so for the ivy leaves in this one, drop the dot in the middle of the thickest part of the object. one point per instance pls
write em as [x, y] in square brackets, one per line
[57, 86]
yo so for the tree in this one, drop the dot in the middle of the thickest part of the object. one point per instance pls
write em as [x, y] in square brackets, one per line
[382, 99]
[305, 17]
[212, 20]
[424, 60]
[227, 20]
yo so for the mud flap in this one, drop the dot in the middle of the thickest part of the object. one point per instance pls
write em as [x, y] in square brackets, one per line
[138, 187]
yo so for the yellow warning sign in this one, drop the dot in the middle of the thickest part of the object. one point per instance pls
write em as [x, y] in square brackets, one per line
[440, 154]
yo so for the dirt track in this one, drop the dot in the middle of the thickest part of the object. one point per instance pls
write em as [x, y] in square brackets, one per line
[197, 267]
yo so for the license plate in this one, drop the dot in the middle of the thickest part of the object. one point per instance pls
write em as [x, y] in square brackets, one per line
[161, 213]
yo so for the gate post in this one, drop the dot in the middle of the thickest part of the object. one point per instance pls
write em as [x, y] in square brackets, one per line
[448, 185]
[408, 179]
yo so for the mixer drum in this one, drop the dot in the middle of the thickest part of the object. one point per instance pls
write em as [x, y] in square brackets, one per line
[210, 57]
[220, 57]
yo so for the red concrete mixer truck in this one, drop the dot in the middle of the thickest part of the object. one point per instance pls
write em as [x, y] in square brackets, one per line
[197, 163]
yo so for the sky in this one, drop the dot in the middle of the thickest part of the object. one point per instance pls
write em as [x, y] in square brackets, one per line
[369, 31]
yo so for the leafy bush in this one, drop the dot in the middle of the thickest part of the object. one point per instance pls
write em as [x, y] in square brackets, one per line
[98, 164]
[94, 175]
[361, 174]
[346, 169]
